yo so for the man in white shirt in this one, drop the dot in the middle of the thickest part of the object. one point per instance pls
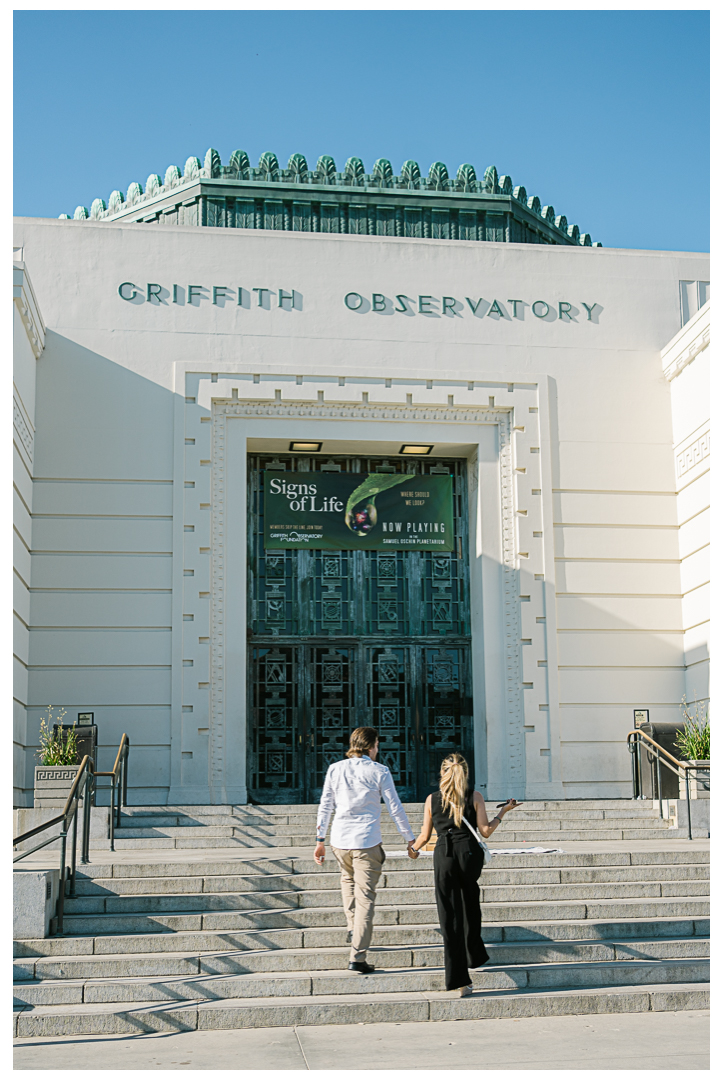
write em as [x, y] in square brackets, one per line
[353, 788]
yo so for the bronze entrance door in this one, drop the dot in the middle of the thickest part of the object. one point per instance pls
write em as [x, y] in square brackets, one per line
[337, 640]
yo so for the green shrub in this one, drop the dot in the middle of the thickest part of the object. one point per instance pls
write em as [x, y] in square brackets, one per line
[60, 749]
[693, 741]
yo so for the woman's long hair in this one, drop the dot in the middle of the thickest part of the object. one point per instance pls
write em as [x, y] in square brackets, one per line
[454, 786]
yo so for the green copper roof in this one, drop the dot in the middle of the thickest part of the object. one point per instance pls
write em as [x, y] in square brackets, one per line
[298, 185]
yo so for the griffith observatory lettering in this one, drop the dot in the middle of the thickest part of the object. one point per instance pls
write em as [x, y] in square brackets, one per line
[479, 307]
[429, 305]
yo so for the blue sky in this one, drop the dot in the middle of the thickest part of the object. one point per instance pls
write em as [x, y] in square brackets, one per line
[603, 114]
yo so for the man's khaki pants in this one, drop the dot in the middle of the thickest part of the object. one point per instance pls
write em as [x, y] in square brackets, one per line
[360, 870]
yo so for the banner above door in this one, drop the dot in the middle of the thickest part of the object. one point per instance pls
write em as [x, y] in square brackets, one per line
[355, 511]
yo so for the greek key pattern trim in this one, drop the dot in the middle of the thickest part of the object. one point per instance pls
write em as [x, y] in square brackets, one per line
[25, 435]
[694, 454]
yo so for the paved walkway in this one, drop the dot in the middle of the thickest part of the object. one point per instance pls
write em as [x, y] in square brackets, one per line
[663, 1041]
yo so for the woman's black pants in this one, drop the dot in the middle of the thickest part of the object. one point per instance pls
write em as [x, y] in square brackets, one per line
[458, 863]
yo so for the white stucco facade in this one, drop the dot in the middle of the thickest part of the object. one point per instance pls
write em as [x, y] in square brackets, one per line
[686, 365]
[586, 577]
[29, 341]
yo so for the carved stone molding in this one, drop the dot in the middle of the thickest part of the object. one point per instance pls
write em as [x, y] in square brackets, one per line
[693, 454]
[679, 363]
[25, 301]
[25, 434]
[455, 414]
[511, 603]
[514, 703]
[217, 607]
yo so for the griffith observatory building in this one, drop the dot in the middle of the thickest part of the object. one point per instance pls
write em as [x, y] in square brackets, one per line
[300, 450]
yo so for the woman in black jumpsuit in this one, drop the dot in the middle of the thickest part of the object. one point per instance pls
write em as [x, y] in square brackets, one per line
[458, 862]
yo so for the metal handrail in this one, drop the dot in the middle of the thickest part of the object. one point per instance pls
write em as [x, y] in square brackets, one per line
[118, 784]
[85, 778]
[633, 744]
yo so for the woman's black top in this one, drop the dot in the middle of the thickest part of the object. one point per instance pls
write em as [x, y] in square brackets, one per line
[443, 821]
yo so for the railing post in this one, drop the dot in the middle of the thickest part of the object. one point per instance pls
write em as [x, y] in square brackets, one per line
[84, 851]
[112, 812]
[61, 897]
[117, 811]
[125, 772]
[632, 747]
[636, 762]
[687, 800]
[73, 849]
[658, 781]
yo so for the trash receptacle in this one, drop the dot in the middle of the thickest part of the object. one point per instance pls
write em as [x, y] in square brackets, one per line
[664, 734]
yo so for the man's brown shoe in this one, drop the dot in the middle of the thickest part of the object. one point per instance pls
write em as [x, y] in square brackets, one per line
[361, 967]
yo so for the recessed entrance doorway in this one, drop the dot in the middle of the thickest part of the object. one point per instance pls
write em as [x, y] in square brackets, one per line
[340, 639]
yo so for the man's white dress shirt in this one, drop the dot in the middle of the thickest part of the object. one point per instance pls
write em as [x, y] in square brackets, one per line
[353, 788]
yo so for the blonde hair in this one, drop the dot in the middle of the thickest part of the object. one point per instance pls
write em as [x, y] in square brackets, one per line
[362, 740]
[454, 786]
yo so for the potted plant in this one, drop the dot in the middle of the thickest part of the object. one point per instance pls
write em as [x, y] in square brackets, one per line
[693, 742]
[58, 767]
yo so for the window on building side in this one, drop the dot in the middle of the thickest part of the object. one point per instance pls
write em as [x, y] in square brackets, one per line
[693, 294]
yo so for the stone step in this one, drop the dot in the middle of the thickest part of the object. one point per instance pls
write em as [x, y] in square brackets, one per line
[120, 891]
[310, 809]
[307, 823]
[294, 834]
[34, 973]
[159, 820]
[400, 878]
[592, 819]
[385, 913]
[638, 924]
[242, 864]
[287, 810]
[389, 980]
[358, 1007]
[180, 842]
[407, 895]
[190, 830]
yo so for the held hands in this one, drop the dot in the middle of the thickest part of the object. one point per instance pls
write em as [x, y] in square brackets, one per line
[411, 853]
[319, 854]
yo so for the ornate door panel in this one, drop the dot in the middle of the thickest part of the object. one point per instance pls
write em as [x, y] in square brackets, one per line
[332, 708]
[390, 688]
[446, 717]
[275, 751]
[343, 639]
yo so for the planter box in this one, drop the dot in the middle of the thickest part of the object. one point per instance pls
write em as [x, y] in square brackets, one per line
[699, 782]
[52, 785]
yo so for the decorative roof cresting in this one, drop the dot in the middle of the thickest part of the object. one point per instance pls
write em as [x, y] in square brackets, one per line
[325, 174]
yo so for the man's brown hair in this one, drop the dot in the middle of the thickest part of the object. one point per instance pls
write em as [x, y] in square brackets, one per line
[362, 740]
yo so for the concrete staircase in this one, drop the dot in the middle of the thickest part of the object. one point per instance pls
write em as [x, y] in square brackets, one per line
[261, 941]
[178, 827]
